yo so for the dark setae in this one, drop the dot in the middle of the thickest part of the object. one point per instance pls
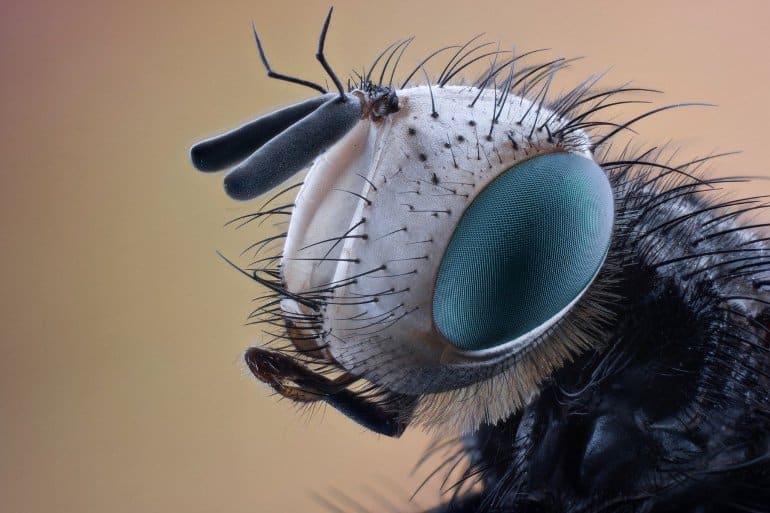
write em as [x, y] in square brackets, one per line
[474, 257]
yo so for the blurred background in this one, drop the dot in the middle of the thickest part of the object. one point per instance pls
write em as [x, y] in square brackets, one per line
[121, 331]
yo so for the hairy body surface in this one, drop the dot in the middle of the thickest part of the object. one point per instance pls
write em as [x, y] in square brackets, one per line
[672, 412]
[435, 216]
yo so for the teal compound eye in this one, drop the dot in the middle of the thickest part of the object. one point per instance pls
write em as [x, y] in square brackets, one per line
[524, 252]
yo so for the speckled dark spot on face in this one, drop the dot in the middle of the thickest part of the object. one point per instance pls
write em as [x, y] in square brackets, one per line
[472, 123]
[412, 131]
[461, 138]
[423, 157]
[447, 145]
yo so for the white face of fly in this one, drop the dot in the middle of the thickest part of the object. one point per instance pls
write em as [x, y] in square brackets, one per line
[376, 213]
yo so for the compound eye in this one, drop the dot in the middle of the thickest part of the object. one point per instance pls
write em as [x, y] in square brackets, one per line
[523, 253]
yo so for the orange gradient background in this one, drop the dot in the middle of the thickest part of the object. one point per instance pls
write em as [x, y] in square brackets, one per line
[121, 388]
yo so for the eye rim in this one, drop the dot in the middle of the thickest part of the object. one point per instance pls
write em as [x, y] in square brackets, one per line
[452, 355]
